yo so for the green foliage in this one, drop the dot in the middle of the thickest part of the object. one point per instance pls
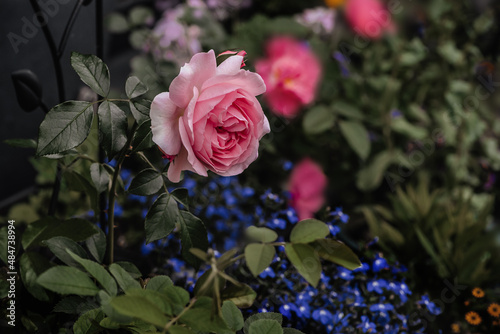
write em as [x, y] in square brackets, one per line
[65, 127]
[112, 128]
[67, 280]
[147, 182]
[262, 234]
[258, 257]
[92, 71]
[447, 228]
[308, 230]
[75, 229]
[161, 218]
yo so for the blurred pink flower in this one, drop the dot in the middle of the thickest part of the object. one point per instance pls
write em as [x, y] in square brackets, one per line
[369, 18]
[307, 187]
[291, 73]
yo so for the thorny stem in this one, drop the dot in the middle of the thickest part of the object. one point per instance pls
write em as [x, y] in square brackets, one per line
[110, 237]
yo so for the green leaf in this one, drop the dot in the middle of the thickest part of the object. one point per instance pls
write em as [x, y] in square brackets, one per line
[140, 15]
[21, 143]
[74, 305]
[92, 71]
[308, 230]
[193, 234]
[147, 182]
[306, 260]
[134, 87]
[371, 176]
[98, 272]
[130, 268]
[180, 330]
[209, 289]
[232, 316]
[96, 245]
[177, 296]
[65, 126]
[112, 128]
[116, 23]
[158, 283]
[259, 257]
[124, 279]
[31, 265]
[181, 195]
[401, 125]
[59, 245]
[357, 137]
[99, 176]
[161, 218]
[200, 317]
[450, 53]
[78, 182]
[140, 110]
[347, 110]
[337, 252]
[88, 323]
[242, 295]
[318, 120]
[140, 308]
[262, 234]
[67, 280]
[291, 331]
[265, 326]
[75, 229]
[157, 298]
[143, 137]
[268, 315]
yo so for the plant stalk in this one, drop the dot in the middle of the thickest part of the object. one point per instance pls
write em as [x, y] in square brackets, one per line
[110, 237]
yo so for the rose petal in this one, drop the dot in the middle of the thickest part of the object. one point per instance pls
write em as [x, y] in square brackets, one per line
[230, 66]
[193, 74]
[177, 165]
[164, 124]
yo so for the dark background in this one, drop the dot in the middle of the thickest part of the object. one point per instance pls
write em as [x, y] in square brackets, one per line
[16, 173]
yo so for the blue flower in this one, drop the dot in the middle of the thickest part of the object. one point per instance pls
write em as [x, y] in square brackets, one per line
[345, 274]
[268, 272]
[367, 326]
[379, 264]
[432, 307]
[286, 309]
[323, 316]
[377, 286]
[340, 215]
[277, 223]
[287, 165]
[381, 307]
[147, 248]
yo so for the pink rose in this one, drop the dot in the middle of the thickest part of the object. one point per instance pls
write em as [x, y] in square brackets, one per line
[307, 186]
[291, 73]
[368, 18]
[210, 118]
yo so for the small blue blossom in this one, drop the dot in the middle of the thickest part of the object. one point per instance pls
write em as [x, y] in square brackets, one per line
[323, 316]
[431, 307]
[381, 307]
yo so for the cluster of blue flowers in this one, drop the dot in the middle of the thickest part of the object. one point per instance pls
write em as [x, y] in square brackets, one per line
[373, 298]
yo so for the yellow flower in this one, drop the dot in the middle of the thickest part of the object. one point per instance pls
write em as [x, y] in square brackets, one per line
[494, 310]
[478, 292]
[455, 328]
[473, 318]
[334, 3]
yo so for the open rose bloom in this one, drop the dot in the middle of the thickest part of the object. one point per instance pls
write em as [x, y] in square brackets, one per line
[307, 186]
[291, 73]
[210, 118]
[369, 18]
